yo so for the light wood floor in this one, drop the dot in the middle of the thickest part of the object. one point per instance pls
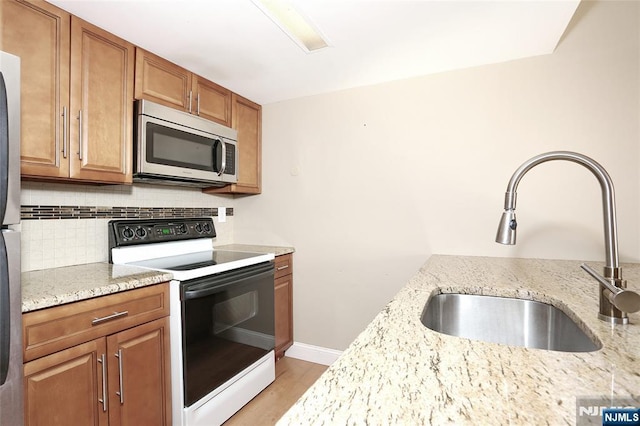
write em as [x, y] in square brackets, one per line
[293, 378]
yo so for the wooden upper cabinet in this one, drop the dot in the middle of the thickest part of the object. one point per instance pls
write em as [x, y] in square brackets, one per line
[247, 120]
[161, 81]
[166, 83]
[212, 101]
[39, 34]
[102, 67]
[68, 66]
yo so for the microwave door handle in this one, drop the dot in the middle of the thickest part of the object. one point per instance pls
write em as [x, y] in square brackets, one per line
[223, 164]
[5, 313]
[4, 148]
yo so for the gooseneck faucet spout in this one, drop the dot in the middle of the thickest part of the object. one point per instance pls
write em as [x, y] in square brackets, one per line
[612, 271]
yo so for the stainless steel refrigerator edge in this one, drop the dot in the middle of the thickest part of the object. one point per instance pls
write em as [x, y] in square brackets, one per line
[11, 387]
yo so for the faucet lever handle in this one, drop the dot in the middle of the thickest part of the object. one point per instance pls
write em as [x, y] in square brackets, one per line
[623, 299]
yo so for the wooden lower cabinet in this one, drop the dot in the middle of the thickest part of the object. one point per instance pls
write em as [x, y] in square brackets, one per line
[138, 366]
[63, 388]
[120, 378]
[283, 304]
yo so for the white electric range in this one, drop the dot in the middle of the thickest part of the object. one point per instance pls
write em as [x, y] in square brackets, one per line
[222, 313]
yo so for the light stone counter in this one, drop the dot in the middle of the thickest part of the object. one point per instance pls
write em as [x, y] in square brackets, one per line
[56, 286]
[398, 372]
[276, 250]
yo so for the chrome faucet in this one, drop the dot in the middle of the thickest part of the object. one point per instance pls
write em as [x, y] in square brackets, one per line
[615, 300]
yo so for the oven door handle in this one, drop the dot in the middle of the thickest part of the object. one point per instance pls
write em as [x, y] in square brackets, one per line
[216, 286]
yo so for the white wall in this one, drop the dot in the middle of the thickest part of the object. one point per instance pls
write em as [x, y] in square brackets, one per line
[368, 183]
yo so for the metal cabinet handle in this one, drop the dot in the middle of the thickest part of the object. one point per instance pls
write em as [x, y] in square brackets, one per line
[190, 97]
[120, 393]
[65, 132]
[102, 361]
[198, 104]
[113, 316]
[280, 268]
[80, 134]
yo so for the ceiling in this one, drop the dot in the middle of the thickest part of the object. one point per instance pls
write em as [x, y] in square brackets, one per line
[233, 42]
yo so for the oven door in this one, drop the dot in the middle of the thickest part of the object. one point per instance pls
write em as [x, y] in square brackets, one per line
[227, 325]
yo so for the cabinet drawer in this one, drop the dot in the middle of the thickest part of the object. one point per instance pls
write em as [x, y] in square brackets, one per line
[284, 265]
[54, 329]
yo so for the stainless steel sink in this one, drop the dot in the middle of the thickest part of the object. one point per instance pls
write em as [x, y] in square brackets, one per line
[509, 321]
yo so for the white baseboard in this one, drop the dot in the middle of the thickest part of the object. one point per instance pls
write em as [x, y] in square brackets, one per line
[317, 354]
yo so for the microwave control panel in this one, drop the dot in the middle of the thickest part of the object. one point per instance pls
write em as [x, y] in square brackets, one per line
[230, 168]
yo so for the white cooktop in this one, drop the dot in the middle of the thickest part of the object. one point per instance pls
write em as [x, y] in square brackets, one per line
[186, 259]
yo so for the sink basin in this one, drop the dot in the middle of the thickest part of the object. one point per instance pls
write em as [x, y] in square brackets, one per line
[509, 321]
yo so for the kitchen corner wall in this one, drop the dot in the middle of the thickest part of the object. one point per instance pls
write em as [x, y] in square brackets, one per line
[367, 183]
[66, 224]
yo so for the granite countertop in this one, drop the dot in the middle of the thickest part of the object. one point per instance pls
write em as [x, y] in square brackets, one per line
[56, 286]
[399, 372]
[276, 250]
[50, 287]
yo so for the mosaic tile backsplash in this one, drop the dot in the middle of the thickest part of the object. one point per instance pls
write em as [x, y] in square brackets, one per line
[66, 224]
[94, 212]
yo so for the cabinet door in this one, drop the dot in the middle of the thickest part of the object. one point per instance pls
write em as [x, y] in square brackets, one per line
[39, 34]
[66, 388]
[139, 375]
[212, 101]
[161, 81]
[283, 305]
[101, 135]
[246, 118]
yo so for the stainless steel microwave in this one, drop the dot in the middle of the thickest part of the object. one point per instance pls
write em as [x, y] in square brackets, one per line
[176, 148]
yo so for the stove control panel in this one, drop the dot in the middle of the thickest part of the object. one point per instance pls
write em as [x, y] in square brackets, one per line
[146, 231]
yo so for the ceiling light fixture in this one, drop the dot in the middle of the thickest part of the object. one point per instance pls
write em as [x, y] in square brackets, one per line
[294, 25]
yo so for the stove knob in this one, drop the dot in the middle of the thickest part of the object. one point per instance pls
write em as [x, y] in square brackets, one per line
[206, 227]
[199, 227]
[141, 232]
[181, 228]
[127, 233]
